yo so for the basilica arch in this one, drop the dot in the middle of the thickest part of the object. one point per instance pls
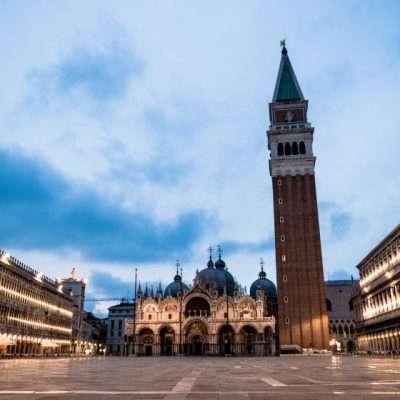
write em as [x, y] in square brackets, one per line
[146, 342]
[248, 339]
[196, 337]
[167, 340]
[226, 340]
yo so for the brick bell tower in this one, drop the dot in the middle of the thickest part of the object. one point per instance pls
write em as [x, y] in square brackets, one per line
[301, 293]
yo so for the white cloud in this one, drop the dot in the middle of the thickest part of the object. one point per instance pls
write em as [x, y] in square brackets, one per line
[209, 72]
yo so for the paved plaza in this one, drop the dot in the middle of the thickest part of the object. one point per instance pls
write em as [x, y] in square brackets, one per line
[191, 378]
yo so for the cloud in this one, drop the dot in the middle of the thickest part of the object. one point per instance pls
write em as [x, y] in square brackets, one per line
[341, 224]
[232, 247]
[174, 122]
[101, 75]
[41, 210]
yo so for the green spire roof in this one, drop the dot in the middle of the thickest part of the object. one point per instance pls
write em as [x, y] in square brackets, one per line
[287, 87]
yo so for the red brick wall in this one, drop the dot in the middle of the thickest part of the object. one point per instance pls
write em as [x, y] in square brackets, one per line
[304, 288]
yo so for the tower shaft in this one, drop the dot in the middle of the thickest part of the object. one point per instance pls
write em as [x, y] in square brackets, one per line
[301, 293]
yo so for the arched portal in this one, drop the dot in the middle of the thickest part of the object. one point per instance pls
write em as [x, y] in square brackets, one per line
[167, 339]
[146, 341]
[196, 338]
[351, 346]
[197, 307]
[226, 339]
[268, 339]
[248, 339]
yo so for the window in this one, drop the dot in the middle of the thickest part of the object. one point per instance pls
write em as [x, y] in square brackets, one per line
[302, 148]
[149, 316]
[286, 321]
[169, 316]
[280, 149]
[351, 306]
[284, 277]
[280, 200]
[283, 258]
[282, 238]
[295, 149]
[281, 220]
[288, 149]
[328, 305]
[279, 181]
[120, 324]
[285, 299]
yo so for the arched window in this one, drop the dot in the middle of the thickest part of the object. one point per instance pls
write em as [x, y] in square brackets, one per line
[197, 306]
[280, 149]
[340, 330]
[351, 306]
[295, 149]
[288, 150]
[302, 148]
[328, 305]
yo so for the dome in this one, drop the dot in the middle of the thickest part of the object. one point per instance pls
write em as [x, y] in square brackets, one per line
[174, 287]
[263, 283]
[216, 278]
[220, 264]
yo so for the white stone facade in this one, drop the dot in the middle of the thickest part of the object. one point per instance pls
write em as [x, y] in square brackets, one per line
[198, 322]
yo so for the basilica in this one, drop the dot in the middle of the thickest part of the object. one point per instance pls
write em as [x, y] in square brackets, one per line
[214, 316]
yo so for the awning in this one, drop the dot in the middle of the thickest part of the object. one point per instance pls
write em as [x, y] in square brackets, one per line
[49, 343]
[5, 341]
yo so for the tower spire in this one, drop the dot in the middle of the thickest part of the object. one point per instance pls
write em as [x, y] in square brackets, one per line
[287, 87]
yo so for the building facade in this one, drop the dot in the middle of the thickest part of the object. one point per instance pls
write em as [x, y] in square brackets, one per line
[378, 302]
[36, 314]
[212, 317]
[341, 314]
[302, 312]
[76, 287]
[117, 337]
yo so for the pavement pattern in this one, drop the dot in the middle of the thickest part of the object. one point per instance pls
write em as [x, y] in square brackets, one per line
[201, 378]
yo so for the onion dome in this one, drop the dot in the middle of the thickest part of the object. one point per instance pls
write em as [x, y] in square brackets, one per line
[220, 264]
[264, 284]
[177, 286]
[216, 279]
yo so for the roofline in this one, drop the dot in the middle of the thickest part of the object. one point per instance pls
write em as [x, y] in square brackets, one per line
[278, 79]
[341, 282]
[380, 245]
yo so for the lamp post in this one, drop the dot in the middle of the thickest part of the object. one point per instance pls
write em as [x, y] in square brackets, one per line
[180, 309]
[134, 316]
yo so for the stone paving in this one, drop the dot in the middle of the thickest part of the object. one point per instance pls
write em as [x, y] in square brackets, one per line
[191, 378]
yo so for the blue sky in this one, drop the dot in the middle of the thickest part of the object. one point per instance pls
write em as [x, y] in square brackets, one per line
[133, 133]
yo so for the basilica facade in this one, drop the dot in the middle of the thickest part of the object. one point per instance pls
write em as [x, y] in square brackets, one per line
[212, 317]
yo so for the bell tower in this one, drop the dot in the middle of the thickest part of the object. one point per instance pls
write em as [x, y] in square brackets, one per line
[302, 313]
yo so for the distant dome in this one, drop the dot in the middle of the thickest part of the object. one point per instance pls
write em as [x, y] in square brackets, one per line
[265, 284]
[217, 278]
[174, 288]
[220, 264]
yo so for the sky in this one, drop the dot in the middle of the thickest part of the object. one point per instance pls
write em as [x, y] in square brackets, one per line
[132, 133]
